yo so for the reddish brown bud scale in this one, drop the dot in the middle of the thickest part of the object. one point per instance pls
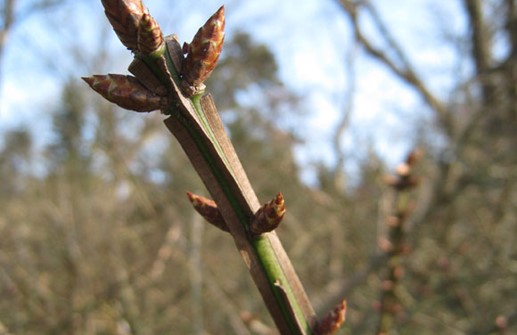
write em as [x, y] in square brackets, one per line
[150, 36]
[203, 53]
[331, 323]
[125, 16]
[175, 52]
[146, 77]
[126, 92]
[208, 210]
[269, 216]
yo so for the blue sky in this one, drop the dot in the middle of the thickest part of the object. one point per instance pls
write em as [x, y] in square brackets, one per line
[311, 40]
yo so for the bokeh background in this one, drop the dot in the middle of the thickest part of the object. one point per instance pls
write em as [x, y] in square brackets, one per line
[322, 99]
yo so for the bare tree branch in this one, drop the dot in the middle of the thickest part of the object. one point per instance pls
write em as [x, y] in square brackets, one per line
[7, 22]
[480, 38]
[511, 25]
[342, 126]
[405, 70]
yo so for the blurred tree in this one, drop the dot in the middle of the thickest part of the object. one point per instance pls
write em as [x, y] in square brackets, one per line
[69, 123]
[12, 13]
[104, 241]
[107, 245]
[459, 272]
[15, 159]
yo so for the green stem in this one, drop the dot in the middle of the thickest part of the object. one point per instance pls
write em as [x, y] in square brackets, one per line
[196, 101]
[227, 179]
[269, 262]
[273, 269]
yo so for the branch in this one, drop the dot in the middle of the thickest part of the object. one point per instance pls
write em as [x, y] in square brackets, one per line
[342, 126]
[405, 71]
[480, 42]
[7, 22]
[165, 79]
[394, 244]
[511, 26]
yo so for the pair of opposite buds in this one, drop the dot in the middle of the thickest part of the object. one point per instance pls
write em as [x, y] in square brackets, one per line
[140, 33]
[266, 219]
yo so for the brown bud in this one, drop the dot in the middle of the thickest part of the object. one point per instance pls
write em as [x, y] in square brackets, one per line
[150, 36]
[125, 16]
[501, 322]
[331, 323]
[269, 216]
[393, 221]
[398, 272]
[126, 92]
[203, 53]
[385, 245]
[208, 210]
[414, 156]
[403, 170]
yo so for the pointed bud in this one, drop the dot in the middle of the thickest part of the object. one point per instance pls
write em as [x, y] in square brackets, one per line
[125, 16]
[208, 210]
[268, 217]
[150, 36]
[331, 323]
[203, 53]
[414, 156]
[501, 322]
[126, 92]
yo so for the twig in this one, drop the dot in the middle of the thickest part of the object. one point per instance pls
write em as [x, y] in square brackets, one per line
[167, 80]
[405, 70]
[394, 244]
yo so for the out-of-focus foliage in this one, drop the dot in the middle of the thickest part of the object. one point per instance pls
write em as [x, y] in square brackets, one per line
[461, 270]
[104, 241]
